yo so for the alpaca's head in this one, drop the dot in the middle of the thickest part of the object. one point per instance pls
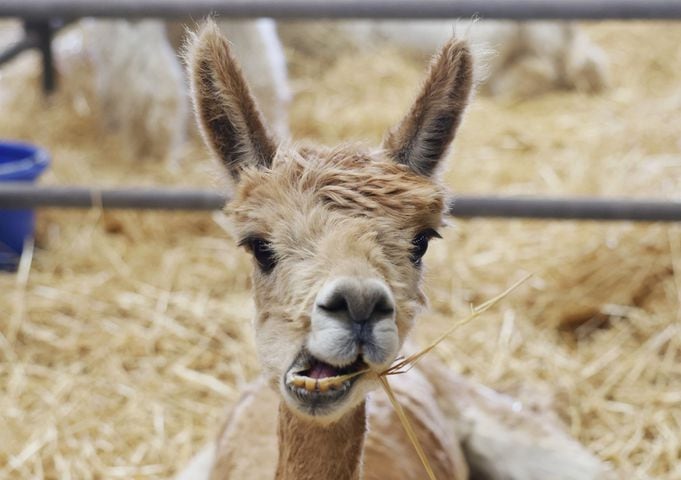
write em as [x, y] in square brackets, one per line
[336, 235]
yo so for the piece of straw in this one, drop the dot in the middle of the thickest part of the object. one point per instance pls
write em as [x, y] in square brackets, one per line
[406, 424]
[406, 364]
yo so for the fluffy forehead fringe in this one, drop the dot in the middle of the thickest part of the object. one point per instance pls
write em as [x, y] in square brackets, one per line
[350, 177]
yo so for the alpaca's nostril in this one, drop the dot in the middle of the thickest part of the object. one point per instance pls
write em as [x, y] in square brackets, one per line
[334, 304]
[358, 300]
[384, 307]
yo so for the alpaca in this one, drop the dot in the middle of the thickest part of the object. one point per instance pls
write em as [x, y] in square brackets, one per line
[337, 237]
[138, 83]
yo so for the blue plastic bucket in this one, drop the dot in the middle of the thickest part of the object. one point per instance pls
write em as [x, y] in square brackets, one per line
[19, 162]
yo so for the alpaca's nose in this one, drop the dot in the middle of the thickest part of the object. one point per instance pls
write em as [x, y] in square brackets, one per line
[354, 316]
[359, 300]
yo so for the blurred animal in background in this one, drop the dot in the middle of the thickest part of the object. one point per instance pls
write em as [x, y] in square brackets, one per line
[133, 72]
[518, 59]
[140, 84]
[337, 236]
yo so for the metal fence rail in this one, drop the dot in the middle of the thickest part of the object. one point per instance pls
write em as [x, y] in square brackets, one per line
[16, 196]
[336, 9]
[22, 195]
[579, 208]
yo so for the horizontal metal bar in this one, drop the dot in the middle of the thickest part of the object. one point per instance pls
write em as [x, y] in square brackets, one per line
[309, 9]
[580, 208]
[21, 195]
[18, 196]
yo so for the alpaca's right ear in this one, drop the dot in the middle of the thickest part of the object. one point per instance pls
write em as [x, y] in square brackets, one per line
[229, 119]
[422, 138]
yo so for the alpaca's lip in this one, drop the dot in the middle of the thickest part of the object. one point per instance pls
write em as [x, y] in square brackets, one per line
[316, 386]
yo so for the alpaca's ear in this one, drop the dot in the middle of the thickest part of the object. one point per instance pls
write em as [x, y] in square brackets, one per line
[228, 117]
[421, 139]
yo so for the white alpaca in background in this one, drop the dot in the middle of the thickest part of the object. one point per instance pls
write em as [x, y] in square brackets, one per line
[140, 84]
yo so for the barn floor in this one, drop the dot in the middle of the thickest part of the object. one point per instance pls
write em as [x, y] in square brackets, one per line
[122, 347]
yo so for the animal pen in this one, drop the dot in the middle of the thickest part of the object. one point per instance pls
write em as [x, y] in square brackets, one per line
[125, 333]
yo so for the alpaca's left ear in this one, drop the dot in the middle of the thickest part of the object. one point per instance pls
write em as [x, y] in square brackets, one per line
[422, 138]
[230, 121]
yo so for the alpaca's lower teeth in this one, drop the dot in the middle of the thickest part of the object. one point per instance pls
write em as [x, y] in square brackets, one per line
[319, 384]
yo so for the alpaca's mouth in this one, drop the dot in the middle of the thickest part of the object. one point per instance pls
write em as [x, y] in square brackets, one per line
[314, 383]
[317, 376]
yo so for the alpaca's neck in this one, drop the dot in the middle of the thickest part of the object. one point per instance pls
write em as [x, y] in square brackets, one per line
[309, 451]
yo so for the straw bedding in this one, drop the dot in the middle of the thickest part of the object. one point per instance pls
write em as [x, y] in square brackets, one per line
[129, 335]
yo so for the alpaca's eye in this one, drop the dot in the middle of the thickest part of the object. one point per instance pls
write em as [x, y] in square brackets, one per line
[420, 245]
[263, 253]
